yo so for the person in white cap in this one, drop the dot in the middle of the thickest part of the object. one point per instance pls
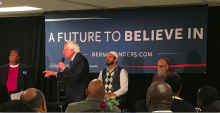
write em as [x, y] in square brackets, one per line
[115, 79]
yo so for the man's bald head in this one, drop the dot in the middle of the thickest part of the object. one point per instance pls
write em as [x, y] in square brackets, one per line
[95, 89]
[33, 97]
[28, 94]
[159, 97]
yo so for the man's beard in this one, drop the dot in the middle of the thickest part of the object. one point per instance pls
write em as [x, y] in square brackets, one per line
[110, 63]
[14, 61]
[162, 73]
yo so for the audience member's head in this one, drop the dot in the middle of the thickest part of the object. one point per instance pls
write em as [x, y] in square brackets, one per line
[4, 97]
[163, 66]
[214, 107]
[35, 98]
[95, 89]
[175, 84]
[16, 106]
[206, 95]
[159, 97]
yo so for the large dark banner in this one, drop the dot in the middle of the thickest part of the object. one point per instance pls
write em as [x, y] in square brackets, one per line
[140, 38]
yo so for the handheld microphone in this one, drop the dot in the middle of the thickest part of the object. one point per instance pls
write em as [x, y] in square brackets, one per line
[62, 60]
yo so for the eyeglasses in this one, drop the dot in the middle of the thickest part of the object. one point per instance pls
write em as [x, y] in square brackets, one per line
[66, 50]
[160, 66]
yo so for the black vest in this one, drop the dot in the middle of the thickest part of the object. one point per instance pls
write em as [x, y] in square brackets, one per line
[111, 82]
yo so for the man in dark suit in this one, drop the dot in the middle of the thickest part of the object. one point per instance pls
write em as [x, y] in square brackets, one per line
[16, 76]
[95, 96]
[76, 75]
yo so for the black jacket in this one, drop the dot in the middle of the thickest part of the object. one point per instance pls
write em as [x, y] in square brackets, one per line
[77, 78]
[177, 106]
[24, 76]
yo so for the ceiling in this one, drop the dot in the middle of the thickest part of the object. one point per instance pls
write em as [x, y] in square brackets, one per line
[60, 5]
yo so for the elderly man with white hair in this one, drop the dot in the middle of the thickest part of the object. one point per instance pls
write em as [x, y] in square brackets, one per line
[115, 79]
[76, 75]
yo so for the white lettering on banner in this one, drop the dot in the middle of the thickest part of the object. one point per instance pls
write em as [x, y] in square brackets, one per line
[81, 37]
[136, 35]
[97, 36]
[168, 35]
[152, 35]
[59, 37]
[189, 33]
[119, 36]
[144, 36]
[99, 54]
[93, 54]
[177, 33]
[135, 54]
[128, 55]
[140, 55]
[90, 36]
[124, 54]
[75, 35]
[107, 32]
[150, 53]
[128, 35]
[51, 37]
[53, 65]
[196, 31]
[65, 37]
[158, 34]
[105, 54]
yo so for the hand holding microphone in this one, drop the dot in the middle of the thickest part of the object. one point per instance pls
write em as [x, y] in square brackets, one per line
[61, 65]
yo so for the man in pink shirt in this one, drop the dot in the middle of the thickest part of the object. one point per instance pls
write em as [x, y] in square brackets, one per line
[15, 76]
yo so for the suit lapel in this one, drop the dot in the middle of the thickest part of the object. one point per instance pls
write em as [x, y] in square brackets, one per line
[73, 63]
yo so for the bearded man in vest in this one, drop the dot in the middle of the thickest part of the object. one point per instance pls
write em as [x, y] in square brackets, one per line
[115, 79]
